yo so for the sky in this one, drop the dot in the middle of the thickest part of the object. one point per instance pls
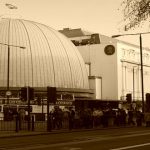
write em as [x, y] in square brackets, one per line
[98, 16]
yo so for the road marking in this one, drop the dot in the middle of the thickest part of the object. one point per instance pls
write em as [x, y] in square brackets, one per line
[75, 149]
[134, 132]
[129, 147]
[33, 147]
[71, 148]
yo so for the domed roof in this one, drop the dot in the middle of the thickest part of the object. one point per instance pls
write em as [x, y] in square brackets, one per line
[49, 58]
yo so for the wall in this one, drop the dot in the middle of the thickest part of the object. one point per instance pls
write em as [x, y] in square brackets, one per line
[104, 66]
[96, 84]
[129, 72]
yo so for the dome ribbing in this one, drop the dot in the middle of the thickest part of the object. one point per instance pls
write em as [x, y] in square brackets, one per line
[50, 59]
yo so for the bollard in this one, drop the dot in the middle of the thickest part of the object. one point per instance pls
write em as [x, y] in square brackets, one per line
[29, 123]
[49, 126]
[17, 123]
[32, 123]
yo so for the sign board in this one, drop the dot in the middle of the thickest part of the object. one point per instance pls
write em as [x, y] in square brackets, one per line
[64, 102]
[8, 93]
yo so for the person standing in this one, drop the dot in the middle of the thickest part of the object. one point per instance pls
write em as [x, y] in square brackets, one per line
[71, 119]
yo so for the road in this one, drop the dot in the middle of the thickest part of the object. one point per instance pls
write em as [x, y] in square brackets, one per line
[107, 139]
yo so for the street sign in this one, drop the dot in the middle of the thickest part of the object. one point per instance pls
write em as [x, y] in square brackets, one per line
[8, 93]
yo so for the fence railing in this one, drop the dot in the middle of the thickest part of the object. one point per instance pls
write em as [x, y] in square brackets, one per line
[50, 124]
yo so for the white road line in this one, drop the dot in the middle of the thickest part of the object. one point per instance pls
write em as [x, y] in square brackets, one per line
[70, 148]
[33, 147]
[75, 149]
[129, 147]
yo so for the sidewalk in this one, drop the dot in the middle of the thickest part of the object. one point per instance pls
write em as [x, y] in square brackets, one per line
[9, 134]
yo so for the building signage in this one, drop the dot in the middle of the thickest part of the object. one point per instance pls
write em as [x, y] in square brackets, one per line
[109, 50]
[11, 101]
[64, 102]
[19, 102]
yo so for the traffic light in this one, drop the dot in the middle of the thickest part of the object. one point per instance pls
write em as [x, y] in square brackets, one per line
[129, 98]
[148, 102]
[51, 94]
[147, 97]
[23, 94]
[31, 93]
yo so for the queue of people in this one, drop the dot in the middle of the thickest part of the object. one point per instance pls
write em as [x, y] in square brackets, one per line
[94, 118]
[71, 118]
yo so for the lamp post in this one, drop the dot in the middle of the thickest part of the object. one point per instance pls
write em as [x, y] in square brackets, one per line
[133, 86]
[141, 60]
[8, 93]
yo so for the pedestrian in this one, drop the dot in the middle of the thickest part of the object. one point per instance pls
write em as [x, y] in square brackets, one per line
[71, 119]
[130, 118]
[139, 117]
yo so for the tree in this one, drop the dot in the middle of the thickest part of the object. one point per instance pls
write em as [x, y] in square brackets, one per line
[135, 12]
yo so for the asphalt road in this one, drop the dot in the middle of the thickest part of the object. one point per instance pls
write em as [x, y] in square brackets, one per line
[107, 139]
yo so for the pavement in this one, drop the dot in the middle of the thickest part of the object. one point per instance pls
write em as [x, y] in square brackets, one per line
[7, 134]
[10, 134]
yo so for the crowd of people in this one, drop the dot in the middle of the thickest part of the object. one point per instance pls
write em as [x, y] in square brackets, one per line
[89, 118]
[94, 118]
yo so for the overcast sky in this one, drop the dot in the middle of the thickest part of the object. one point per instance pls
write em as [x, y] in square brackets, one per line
[99, 16]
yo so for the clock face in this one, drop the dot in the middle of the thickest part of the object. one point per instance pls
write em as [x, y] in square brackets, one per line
[109, 50]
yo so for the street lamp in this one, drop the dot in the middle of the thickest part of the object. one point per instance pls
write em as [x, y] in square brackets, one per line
[141, 58]
[133, 86]
[8, 93]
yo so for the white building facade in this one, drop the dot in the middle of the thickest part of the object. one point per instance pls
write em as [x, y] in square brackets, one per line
[113, 66]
